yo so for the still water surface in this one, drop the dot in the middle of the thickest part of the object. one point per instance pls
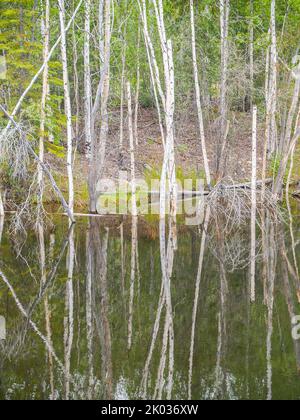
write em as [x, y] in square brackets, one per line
[97, 326]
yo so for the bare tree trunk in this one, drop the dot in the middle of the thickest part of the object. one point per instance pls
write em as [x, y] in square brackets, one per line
[124, 48]
[76, 80]
[2, 213]
[46, 37]
[102, 96]
[272, 131]
[87, 82]
[224, 23]
[132, 157]
[253, 204]
[137, 92]
[154, 71]
[198, 97]
[251, 52]
[1, 227]
[68, 110]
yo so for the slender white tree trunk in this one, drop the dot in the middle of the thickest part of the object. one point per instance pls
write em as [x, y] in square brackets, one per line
[253, 204]
[87, 81]
[46, 37]
[1, 205]
[68, 110]
[124, 48]
[251, 52]
[76, 79]
[273, 82]
[267, 126]
[132, 157]
[137, 93]
[1, 227]
[101, 100]
[224, 23]
[154, 72]
[198, 97]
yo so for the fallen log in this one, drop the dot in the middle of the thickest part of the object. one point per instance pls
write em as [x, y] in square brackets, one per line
[185, 193]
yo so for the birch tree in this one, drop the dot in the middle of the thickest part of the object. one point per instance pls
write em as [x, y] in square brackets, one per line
[124, 49]
[132, 157]
[1, 205]
[271, 90]
[273, 82]
[198, 97]
[253, 204]
[46, 37]
[251, 51]
[101, 103]
[87, 81]
[224, 24]
[68, 110]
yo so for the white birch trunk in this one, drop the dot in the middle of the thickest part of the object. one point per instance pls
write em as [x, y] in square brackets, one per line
[253, 204]
[224, 24]
[68, 110]
[251, 52]
[124, 50]
[101, 100]
[132, 157]
[273, 82]
[2, 213]
[137, 93]
[198, 97]
[87, 82]
[45, 90]
[1, 227]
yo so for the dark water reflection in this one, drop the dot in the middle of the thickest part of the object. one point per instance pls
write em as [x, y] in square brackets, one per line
[88, 317]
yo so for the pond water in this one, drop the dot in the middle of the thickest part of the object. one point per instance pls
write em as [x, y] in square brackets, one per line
[99, 325]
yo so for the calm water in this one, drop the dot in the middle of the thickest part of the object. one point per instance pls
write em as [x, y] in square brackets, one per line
[102, 329]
